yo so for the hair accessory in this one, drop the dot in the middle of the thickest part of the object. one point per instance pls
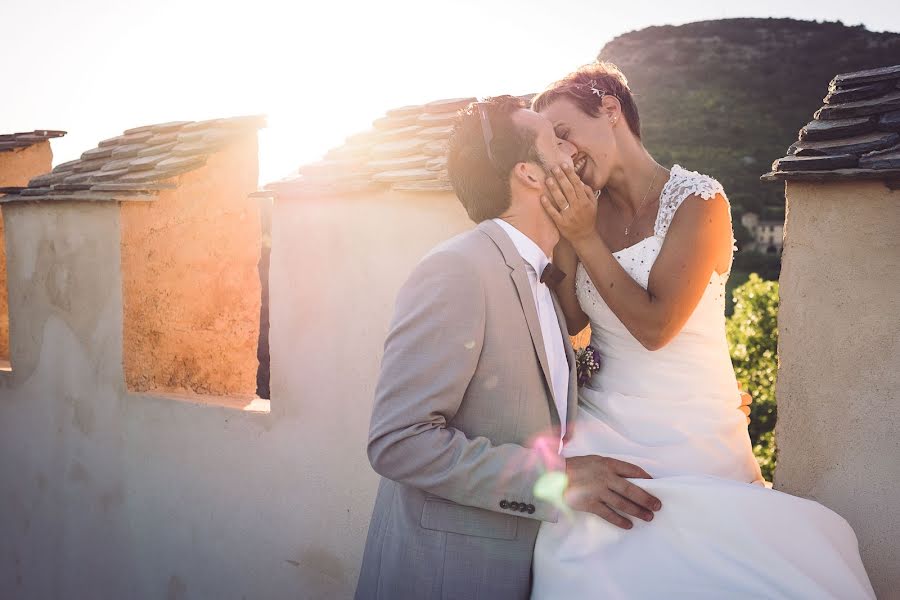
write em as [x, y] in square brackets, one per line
[595, 91]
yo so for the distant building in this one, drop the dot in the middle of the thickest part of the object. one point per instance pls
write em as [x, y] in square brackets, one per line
[768, 236]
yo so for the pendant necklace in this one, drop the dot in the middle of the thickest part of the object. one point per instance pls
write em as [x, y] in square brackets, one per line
[643, 202]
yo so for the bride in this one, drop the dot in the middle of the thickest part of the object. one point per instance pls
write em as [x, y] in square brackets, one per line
[651, 255]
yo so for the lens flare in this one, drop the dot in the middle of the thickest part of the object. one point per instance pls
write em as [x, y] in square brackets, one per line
[551, 486]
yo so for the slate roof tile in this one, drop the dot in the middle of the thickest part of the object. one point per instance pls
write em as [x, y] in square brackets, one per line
[836, 129]
[145, 163]
[13, 141]
[406, 162]
[75, 178]
[135, 165]
[157, 149]
[66, 166]
[111, 175]
[403, 175]
[859, 144]
[98, 152]
[855, 135]
[860, 108]
[404, 151]
[405, 111]
[890, 121]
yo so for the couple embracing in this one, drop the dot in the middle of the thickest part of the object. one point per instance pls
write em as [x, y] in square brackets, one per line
[502, 479]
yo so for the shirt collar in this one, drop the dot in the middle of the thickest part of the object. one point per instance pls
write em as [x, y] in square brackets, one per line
[527, 248]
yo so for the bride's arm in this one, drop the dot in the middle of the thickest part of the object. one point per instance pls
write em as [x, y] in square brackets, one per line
[680, 275]
[564, 257]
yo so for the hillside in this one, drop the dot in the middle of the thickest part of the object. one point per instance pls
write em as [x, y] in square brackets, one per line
[728, 97]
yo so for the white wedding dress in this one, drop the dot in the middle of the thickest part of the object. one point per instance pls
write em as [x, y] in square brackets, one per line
[721, 532]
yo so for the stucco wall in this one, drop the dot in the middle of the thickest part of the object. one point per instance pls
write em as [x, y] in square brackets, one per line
[336, 268]
[112, 494]
[191, 281]
[17, 167]
[838, 376]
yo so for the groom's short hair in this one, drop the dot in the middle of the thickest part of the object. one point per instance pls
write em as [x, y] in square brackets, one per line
[480, 179]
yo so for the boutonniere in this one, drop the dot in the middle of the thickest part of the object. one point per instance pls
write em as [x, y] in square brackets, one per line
[587, 362]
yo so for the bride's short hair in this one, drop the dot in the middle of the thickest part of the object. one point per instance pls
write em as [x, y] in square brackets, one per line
[586, 87]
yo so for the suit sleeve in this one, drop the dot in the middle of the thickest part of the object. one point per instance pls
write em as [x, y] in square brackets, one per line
[430, 357]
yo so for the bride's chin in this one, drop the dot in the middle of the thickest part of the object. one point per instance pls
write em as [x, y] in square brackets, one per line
[592, 183]
[588, 179]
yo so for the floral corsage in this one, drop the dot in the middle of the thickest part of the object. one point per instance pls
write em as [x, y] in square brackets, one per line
[587, 362]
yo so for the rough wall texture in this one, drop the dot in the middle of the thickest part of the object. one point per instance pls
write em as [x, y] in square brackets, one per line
[191, 285]
[111, 494]
[838, 377]
[336, 267]
[17, 167]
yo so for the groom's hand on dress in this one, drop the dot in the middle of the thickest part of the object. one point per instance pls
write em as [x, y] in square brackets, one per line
[599, 485]
[746, 401]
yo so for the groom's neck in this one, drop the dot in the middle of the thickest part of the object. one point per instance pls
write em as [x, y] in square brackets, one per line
[535, 224]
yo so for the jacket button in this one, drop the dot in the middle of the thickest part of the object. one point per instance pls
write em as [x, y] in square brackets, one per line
[504, 504]
[514, 506]
[523, 507]
[531, 509]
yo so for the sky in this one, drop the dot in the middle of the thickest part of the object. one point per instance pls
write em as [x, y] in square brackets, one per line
[319, 70]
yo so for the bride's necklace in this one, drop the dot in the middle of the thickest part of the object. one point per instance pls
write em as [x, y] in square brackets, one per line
[643, 202]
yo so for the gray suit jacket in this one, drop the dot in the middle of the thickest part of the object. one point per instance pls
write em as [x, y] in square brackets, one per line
[463, 393]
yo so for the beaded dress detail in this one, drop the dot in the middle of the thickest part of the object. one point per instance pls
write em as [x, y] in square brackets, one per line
[674, 412]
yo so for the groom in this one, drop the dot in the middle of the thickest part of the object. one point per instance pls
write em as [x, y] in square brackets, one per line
[478, 385]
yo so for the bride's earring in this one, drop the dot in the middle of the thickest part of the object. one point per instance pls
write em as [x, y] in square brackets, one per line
[597, 194]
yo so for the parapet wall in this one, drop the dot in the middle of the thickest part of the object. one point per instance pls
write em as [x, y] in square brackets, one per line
[17, 167]
[112, 493]
[839, 343]
[191, 288]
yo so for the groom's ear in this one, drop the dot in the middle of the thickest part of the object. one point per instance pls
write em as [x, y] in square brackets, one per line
[529, 174]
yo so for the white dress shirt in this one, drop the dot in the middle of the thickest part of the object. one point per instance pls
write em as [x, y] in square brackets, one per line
[535, 261]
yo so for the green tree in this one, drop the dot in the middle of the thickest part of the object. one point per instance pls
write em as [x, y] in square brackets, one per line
[753, 338]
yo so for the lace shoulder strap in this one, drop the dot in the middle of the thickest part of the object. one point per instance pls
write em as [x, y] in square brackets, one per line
[683, 183]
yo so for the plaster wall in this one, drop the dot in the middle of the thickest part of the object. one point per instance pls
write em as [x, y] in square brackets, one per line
[17, 167]
[108, 493]
[20, 165]
[336, 267]
[191, 281]
[838, 375]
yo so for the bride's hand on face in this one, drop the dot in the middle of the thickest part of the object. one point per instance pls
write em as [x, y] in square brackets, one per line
[571, 204]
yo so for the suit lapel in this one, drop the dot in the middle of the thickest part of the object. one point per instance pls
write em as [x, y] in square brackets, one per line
[523, 287]
[572, 400]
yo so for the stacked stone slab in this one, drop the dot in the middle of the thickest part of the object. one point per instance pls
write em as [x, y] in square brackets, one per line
[138, 163]
[11, 141]
[855, 135]
[404, 151]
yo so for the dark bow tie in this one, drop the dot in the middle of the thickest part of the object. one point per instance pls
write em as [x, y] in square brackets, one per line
[552, 275]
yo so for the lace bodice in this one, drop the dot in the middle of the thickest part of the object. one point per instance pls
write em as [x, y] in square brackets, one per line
[638, 259]
[701, 342]
[682, 397]
[682, 184]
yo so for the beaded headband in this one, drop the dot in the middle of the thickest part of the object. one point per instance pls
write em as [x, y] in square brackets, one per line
[600, 93]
